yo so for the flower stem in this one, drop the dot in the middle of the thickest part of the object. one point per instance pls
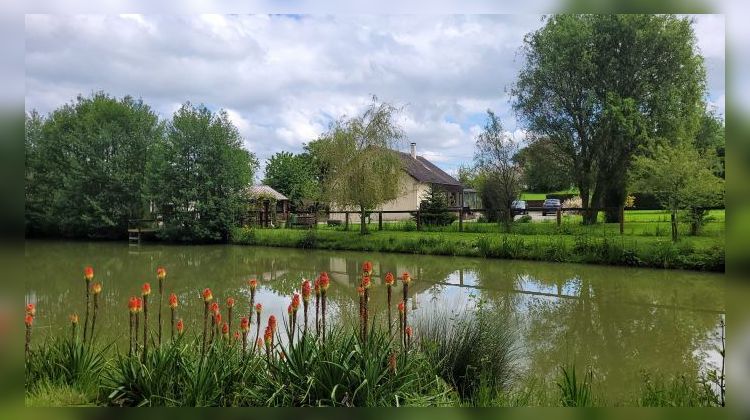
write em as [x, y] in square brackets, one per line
[88, 300]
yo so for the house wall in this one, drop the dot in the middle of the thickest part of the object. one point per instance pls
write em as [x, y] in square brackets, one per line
[412, 192]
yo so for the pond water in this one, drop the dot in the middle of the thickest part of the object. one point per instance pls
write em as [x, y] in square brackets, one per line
[618, 321]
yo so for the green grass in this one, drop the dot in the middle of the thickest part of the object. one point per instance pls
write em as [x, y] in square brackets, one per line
[645, 243]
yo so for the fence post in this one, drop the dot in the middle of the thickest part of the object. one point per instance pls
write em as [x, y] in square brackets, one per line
[559, 216]
[380, 220]
[461, 219]
[346, 223]
[622, 220]
[419, 221]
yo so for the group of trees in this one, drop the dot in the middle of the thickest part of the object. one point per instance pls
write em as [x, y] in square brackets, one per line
[599, 90]
[96, 163]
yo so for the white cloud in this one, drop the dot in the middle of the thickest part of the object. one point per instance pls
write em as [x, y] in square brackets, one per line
[282, 79]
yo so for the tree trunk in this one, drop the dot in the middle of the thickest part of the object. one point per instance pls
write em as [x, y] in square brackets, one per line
[674, 225]
[362, 225]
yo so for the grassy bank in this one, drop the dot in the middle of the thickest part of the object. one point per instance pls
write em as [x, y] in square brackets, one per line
[532, 241]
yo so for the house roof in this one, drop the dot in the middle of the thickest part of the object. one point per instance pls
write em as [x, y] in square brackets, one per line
[256, 190]
[425, 171]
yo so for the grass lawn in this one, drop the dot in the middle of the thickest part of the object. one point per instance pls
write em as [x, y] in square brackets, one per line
[646, 241]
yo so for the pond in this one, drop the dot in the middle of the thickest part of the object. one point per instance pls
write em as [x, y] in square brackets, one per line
[618, 321]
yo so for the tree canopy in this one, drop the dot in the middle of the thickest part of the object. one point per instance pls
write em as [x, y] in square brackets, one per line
[198, 175]
[294, 176]
[85, 166]
[361, 168]
[604, 87]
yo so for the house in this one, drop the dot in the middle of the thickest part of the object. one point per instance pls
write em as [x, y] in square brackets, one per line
[415, 180]
[266, 206]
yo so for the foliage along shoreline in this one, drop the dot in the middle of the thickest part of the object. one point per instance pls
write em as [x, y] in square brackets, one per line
[616, 251]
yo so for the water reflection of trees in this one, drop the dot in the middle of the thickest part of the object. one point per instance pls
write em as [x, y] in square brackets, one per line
[619, 320]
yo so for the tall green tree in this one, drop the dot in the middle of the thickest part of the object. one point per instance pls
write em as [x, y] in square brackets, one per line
[198, 175]
[361, 169]
[84, 166]
[294, 176]
[605, 86]
[545, 168]
[711, 140]
[681, 179]
[494, 154]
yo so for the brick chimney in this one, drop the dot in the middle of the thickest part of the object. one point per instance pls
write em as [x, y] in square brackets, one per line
[413, 150]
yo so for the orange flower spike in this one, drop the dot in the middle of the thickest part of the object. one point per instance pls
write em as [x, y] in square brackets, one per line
[295, 301]
[88, 273]
[324, 281]
[237, 336]
[289, 309]
[360, 291]
[28, 320]
[173, 303]
[96, 288]
[230, 302]
[389, 279]
[267, 335]
[180, 327]
[214, 308]
[207, 295]
[253, 284]
[73, 319]
[306, 290]
[272, 322]
[258, 308]
[217, 318]
[245, 324]
[146, 289]
[366, 282]
[225, 328]
[133, 304]
[31, 309]
[161, 273]
[138, 304]
[405, 278]
[367, 267]
[408, 331]
[401, 306]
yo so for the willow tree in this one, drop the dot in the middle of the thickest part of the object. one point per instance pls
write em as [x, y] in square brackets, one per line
[604, 87]
[362, 170]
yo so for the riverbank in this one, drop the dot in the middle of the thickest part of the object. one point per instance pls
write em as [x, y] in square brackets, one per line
[691, 253]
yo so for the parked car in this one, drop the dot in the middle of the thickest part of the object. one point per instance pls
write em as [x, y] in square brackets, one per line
[550, 205]
[518, 207]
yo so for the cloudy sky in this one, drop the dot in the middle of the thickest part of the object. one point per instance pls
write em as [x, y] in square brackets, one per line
[283, 78]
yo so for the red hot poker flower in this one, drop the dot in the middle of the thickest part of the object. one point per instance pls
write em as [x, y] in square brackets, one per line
[73, 318]
[161, 273]
[225, 328]
[306, 290]
[173, 303]
[408, 331]
[207, 295]
[405, 277]
[401, 306]
[289, 309]
[31, 309]
[272, 322]
[316, 286]
[245, 324]
[133, 304]
[389, 280]
[138, 304]
[237, 336]
[96, 288]
[214, 308]
[324, 281]
[88, 273]
[366, 282]
[230, 302]
[146, 289]
[258, 308]
[267, 335]
[295, 301]
[361, 290]
[180, 327]
[253, 283]
[367, 267]
[217, 318]
[28, 320]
